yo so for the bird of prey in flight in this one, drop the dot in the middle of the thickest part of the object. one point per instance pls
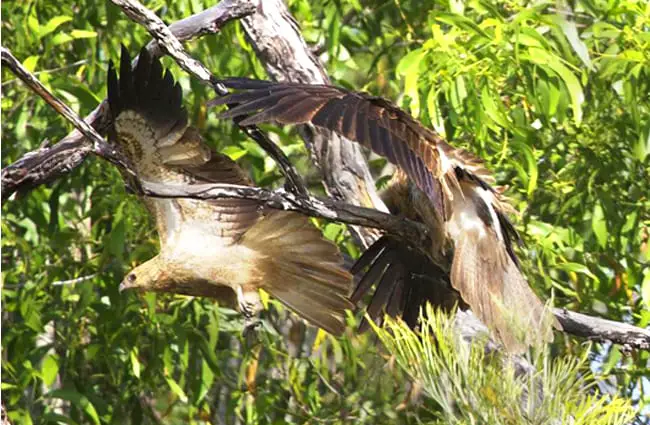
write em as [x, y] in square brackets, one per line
[224, 247]
[447, 189]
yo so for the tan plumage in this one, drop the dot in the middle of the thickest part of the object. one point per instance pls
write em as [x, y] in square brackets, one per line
[227, 248]
[446, 188]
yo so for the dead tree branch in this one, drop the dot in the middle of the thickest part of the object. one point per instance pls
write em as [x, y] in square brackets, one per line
[598, 329]
[99, 147]
[281, 200]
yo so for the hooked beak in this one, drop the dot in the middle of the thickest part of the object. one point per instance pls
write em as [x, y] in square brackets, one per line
[124, 285]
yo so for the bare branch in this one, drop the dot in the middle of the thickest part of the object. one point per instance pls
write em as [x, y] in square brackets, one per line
[282, 200]
[99, 147]
[47, 164]
[598, 329]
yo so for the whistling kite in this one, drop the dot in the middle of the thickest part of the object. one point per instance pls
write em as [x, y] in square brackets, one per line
[216, 247]
[447, 189]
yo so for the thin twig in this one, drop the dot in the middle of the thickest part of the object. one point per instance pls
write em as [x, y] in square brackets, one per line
[170, 44]
[80, 279]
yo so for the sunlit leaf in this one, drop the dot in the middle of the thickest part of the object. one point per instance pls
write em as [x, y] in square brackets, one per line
[53, 24]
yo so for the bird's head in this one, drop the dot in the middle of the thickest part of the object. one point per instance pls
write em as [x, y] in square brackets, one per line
[148, 276]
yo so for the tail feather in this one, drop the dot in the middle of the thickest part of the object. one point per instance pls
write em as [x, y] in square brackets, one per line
[301, 269]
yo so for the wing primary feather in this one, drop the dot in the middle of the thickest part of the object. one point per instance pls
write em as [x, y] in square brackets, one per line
[113, 87]
[362, 124]
[142, 73]
[395, 303]
[373, 137]
[374, 272]
[385, 139]
[383, 292]
[249, 107]
[326, 114]
[349, 123]
[369, 256]
[240, 83]
[127, 93]
[270, 114]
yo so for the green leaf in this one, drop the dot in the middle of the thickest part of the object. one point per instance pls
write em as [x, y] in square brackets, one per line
[49, 369]
[462, 22]
[33, 24]
[30, 62]
[434, 112]
[645, 289]
[531, 174]
[409, 67]
[599, 225]
[76, 34]
[53, 24]
[234, 152]
[79, 400]
[492, 108]
[135, 363]
[576, 268]
[571, 33]
[554, 65]
[176, 389]
[61, 38]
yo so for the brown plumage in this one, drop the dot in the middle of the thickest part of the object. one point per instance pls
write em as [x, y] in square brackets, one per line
[228, 248]
[447, 189]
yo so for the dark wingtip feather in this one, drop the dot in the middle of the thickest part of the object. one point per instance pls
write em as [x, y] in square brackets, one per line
[405, 280]
[142, 73]
[127, 94]
[145, 90]
[113, 87]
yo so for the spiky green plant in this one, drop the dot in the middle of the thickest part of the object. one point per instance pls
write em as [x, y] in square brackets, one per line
[470, 385]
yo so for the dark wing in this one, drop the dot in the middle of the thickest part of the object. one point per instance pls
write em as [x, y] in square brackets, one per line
[405, 279]
[435, 166]
[149, 92]
[371, 121]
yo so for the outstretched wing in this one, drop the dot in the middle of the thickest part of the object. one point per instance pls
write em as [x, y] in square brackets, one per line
[151, 126]
[372, 121]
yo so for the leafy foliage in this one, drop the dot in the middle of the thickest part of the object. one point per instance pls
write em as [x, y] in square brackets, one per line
[555, 98]
[473, 387]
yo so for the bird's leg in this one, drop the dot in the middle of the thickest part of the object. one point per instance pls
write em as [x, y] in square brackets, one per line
[249, 305]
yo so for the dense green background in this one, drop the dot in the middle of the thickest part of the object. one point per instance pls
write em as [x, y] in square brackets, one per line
[555, 98]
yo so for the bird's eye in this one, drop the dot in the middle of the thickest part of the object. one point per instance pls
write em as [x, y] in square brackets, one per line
[131, 277]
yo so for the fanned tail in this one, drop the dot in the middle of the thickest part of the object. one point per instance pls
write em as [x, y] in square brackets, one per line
[301, 269]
